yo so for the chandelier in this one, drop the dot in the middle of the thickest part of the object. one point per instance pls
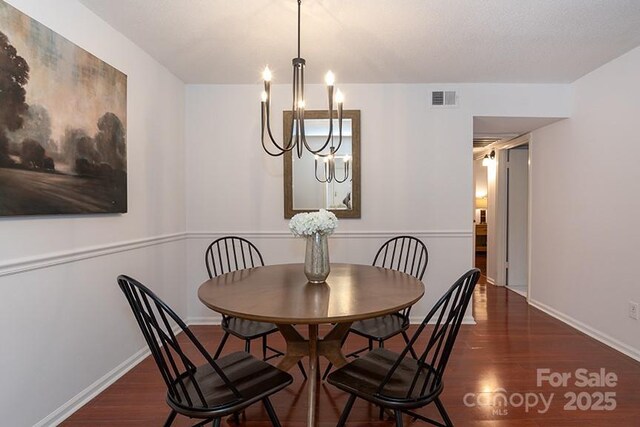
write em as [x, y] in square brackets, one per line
[297, 139]
[329, 167]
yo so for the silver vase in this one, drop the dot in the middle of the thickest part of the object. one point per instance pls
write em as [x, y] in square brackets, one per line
[316, 260]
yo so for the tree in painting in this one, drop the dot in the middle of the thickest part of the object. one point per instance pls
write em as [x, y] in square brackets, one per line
[13, 78]
[62, 124]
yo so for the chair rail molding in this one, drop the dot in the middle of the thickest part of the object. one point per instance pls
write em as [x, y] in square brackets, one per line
[338, 235]
[22, 265]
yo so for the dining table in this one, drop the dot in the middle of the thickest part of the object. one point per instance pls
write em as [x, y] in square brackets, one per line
[281, 294]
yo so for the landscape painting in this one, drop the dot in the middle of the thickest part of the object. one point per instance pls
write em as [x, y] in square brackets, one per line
[63, 119]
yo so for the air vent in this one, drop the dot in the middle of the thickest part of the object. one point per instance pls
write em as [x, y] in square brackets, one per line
[446, 98]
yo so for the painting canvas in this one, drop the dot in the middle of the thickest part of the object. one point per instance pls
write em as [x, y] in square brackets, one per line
[62, 124]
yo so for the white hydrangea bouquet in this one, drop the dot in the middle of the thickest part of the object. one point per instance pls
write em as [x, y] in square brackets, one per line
[315, 227]
[308, 223]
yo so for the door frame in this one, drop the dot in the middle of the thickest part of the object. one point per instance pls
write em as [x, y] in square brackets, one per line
[501, 209]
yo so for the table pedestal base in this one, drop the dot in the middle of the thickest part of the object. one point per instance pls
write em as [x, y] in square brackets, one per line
[298, 347]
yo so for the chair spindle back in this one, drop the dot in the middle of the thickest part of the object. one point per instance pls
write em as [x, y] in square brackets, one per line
[403, 253]
[155, 319]
[231, 253]
[448, 314]
[406, 254]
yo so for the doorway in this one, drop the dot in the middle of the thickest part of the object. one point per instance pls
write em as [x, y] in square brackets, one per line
[517, 219]
[480, 185]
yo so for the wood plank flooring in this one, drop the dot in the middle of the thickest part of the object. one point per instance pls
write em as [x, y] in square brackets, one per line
[503, 351]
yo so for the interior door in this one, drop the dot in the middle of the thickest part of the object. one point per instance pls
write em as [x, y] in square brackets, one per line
[517, 217]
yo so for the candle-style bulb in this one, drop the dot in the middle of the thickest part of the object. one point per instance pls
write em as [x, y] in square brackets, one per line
[266, 74]
[339, 97]
[264, 96]
[346, 158]
[330, 78]
[301, 104]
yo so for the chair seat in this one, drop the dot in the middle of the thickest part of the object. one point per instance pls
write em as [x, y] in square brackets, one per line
[379, 328]
[363, 376]
[248, 329]
[253, 378]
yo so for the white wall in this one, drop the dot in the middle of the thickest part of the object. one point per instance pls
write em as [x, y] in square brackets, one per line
[424, 152]
[66, 324]
[416, 172]
[586, 187]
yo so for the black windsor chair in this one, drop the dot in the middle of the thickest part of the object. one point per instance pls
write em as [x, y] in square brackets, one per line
[400, 383]
[402, 253]
[232, 253]
[208, 392]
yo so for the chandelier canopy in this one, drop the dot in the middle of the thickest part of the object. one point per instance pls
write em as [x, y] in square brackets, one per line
[297, 139]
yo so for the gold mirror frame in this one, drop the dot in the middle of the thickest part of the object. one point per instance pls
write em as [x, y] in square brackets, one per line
[354, 115]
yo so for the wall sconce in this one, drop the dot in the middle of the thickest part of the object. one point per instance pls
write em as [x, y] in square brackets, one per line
[489, 159]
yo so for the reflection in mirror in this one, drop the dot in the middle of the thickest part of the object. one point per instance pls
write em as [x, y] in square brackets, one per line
[329, 182]
[316, 179]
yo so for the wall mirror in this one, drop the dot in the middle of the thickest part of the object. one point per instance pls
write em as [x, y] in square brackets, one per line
[304, 190]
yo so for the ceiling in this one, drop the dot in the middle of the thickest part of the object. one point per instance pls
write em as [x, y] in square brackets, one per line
[489, 130]
[484, 127]
[379, 41]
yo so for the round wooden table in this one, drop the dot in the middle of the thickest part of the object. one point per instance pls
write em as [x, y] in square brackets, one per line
[280, 294]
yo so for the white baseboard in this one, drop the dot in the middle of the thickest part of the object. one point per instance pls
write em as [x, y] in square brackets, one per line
[623, 348]
[82, 398]
[86, 395]
[205, 320]
[520, 291]
[490, 280]
[469, 320]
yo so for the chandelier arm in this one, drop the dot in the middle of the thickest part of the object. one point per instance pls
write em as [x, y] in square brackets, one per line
[346, 174]
[316, 172]
[299, 130]
[303, 133]
[302, 138]
[264, 146]
[330, 135]
[339, 130]
[281, 149]
[266, 112]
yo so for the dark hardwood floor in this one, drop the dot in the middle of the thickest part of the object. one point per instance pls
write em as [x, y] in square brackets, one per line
[481, 262]
[503, 351]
